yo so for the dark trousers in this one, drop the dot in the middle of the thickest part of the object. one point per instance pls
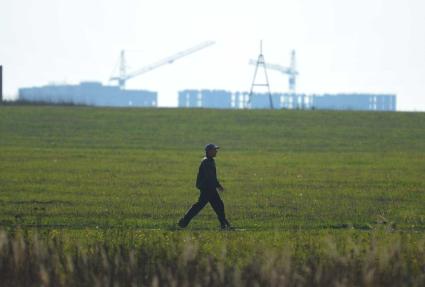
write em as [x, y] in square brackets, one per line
[217, 204]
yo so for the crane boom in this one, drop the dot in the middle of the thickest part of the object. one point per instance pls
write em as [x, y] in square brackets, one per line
[280, 68]
[168, 60]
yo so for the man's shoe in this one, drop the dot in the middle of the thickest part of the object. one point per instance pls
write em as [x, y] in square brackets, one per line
[182, 223]
[227, 227]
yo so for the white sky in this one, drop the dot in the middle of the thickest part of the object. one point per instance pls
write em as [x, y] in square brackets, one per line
[375, 46]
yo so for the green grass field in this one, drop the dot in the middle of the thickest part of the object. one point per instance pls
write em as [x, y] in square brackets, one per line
[78, 167]
[298, 179]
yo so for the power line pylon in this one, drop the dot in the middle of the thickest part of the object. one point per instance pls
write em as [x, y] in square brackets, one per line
[260, 61]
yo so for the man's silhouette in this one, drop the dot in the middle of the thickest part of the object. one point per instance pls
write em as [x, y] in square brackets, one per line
[208, 185]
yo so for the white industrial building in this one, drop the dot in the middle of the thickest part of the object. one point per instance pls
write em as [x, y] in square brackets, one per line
[89, 93]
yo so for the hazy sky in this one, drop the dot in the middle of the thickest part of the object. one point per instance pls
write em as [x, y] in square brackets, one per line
[375, 46]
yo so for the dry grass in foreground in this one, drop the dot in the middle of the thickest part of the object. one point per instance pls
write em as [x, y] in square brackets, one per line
[27, 260]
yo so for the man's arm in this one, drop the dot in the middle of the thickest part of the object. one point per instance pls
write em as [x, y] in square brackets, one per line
[218, 185]
[200, 179]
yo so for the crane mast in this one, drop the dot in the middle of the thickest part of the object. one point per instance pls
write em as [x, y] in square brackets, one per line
[124, 76]
[290, 71]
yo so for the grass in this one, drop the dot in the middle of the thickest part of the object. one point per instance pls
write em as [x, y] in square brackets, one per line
[114, 257]
[109, 177]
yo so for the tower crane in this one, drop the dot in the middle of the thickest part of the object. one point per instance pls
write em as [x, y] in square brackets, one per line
[290, 71]
[123, 76]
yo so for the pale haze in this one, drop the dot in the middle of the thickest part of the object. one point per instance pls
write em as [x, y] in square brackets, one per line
[342, 46]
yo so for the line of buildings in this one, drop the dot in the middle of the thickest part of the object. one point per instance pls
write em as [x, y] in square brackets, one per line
[96, 94]
[221, 99]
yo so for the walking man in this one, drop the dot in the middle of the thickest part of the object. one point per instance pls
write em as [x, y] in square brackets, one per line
[208, 185]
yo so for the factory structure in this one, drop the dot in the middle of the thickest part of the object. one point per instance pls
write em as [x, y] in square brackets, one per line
[221, 99]
[89, 93]
[97, 94]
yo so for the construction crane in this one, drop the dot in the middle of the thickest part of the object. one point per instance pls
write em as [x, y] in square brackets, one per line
[290, 71]
[123, 76]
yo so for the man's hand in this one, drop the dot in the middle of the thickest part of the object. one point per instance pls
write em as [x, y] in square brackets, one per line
[220, 188]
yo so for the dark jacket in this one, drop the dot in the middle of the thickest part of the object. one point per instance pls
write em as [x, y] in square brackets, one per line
[207, 175]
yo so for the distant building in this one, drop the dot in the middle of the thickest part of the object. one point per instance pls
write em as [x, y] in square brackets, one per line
[217, 99]
[221, 99]
[89, 93]
[362, 102]
[280, 101]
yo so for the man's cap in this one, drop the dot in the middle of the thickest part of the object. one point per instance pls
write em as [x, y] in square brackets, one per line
[211, 146]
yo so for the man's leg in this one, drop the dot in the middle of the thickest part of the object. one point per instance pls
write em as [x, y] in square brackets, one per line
[194, 210]
[218, 206]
